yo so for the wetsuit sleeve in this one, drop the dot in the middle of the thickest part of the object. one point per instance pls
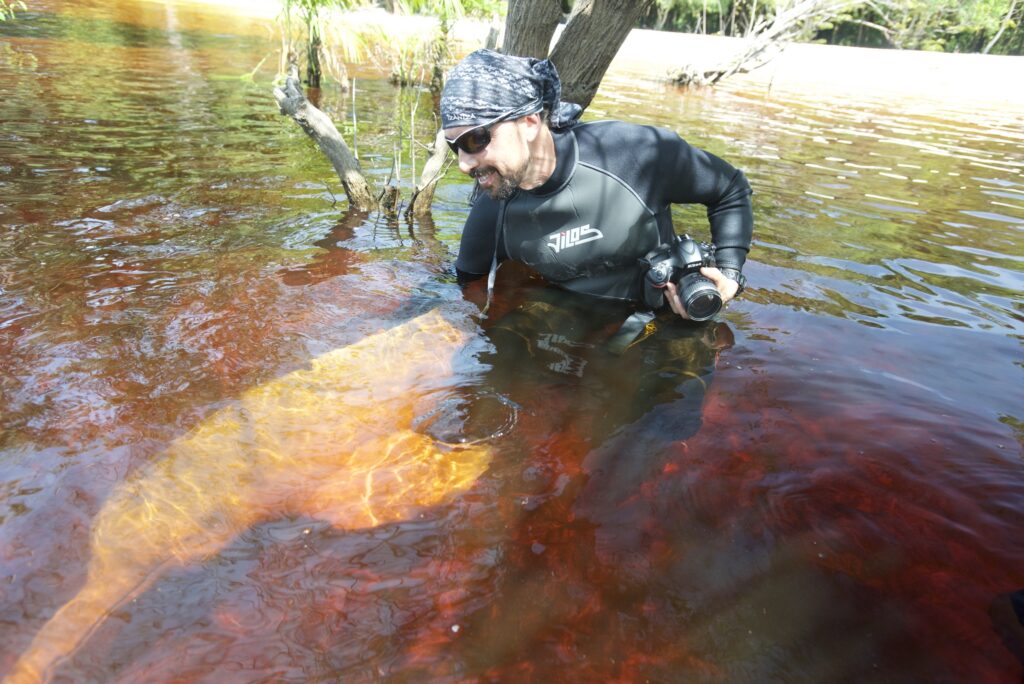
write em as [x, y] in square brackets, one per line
[691, 175]
[479, 235]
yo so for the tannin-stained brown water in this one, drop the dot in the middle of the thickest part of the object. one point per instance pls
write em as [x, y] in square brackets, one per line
[827, 484]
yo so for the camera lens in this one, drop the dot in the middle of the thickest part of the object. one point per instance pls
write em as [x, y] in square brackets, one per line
[700, 297]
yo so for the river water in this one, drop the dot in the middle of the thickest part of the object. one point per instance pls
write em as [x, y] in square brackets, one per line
[826, 484]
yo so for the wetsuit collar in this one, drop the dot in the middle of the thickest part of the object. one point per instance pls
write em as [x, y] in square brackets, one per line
[566, 156]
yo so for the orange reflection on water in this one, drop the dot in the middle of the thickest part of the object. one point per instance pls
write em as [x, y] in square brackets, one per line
[332, 441]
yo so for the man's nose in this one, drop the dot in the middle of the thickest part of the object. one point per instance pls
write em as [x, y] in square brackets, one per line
[467, 162]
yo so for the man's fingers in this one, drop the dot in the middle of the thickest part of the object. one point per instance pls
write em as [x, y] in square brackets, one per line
[672, 295]
[726, 287]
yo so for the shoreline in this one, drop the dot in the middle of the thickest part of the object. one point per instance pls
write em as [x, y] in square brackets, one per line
[960, 79]
[877, 73]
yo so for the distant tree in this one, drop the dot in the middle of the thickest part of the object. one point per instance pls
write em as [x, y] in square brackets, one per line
[949, 25]
[1013, 19]
[722, 17]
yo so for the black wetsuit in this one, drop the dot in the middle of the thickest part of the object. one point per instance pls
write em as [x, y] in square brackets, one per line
[606, 205]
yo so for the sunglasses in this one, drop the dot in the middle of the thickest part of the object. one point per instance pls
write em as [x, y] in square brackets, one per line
[474, 140]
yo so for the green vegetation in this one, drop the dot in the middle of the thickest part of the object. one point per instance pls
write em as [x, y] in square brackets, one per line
[941, 25]
[327, 43]
[409, 57]
[450, 8]
[995, 26]
[309, 13]
[7, 9]
[730, 18]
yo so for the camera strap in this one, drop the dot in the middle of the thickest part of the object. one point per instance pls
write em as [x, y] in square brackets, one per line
[492, 274]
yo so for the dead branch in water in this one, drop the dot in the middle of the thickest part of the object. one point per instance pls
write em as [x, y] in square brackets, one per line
[321, 129]
[765, 40]
[361, 196]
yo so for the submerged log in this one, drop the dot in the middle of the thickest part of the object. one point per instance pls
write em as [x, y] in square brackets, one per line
[691, 75]
[321, 129]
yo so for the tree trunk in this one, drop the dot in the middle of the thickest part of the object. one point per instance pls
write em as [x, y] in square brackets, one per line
[594, 34]
[320, 128]
[529, 26]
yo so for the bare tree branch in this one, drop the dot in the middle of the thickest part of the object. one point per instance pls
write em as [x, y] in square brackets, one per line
[766, 35]
[884, 30]
[321, 129]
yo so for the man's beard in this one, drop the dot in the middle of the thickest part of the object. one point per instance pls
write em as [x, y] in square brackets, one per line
[506, 186]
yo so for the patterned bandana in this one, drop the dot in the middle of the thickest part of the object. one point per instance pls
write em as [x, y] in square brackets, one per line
[488, 86]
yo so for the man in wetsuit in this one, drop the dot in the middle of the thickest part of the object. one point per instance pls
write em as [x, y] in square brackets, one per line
[581, 203]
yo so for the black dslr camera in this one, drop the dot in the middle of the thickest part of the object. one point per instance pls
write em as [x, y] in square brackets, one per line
[680, 262]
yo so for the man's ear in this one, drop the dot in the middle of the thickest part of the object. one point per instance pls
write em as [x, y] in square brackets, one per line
[532, 124]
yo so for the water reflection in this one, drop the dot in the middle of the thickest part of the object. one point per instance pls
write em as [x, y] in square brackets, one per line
[825, 486]
[557, 340]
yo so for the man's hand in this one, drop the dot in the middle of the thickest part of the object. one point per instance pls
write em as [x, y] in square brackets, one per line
[726, 288]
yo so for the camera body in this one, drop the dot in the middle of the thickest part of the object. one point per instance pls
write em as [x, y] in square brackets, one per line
[679, 262]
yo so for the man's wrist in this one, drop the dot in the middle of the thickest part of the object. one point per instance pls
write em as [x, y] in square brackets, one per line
[737, 277]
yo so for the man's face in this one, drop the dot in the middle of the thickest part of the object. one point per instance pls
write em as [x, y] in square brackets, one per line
[502, 165]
